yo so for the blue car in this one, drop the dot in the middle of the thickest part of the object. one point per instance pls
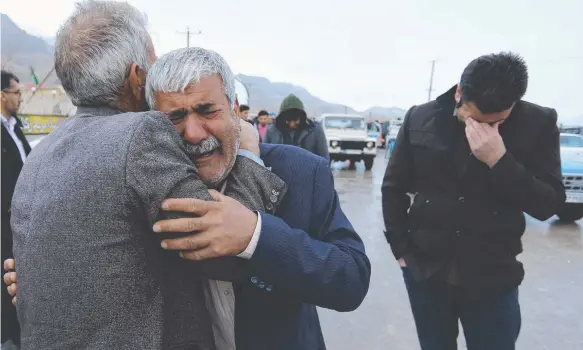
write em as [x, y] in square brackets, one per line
[572, 169]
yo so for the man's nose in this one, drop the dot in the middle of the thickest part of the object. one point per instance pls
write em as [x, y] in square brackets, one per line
[195, 132]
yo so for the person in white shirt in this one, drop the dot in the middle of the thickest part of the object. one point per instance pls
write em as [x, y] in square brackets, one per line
[15, 148]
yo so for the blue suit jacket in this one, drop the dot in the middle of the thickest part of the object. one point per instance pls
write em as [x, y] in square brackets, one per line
[308, 255]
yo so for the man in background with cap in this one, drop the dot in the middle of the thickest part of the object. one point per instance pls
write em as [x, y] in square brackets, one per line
[292, 127]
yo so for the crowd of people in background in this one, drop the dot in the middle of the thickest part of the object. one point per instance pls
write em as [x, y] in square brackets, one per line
[291, 126]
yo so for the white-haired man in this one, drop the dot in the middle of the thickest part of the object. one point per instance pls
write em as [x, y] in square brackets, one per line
[305, 255]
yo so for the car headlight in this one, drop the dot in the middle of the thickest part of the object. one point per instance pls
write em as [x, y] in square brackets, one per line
[370, 145]
[334, 143]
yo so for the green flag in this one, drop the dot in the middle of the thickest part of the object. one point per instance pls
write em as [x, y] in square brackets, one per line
[34, 78]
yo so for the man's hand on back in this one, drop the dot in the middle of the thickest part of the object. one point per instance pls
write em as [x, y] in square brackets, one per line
[10, 278]
[223, 227]
[485, 142]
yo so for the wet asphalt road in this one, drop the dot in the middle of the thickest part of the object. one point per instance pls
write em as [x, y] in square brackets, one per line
[551, 295]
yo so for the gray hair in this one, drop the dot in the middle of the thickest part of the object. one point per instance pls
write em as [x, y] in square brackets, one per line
[176, 70]
[95, 48]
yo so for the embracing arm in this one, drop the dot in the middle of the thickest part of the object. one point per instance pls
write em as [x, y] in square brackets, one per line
[330, 271]
[157, 168]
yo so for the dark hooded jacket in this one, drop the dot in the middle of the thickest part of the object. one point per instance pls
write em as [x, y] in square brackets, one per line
[309, 136]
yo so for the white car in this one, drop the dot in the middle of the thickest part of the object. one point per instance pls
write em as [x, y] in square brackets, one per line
[348, 139]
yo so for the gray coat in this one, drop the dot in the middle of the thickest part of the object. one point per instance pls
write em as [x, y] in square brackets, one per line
[92, 274]
[311, 137]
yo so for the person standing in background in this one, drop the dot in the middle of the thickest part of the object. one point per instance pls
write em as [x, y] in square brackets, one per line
[15, 148]
[262, 123]
[292, 127]
[244, 113]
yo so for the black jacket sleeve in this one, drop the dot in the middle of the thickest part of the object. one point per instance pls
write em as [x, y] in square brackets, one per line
[395, 188]
[536, 188]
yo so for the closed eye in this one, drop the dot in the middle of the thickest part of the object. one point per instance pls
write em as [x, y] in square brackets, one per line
[177, 115]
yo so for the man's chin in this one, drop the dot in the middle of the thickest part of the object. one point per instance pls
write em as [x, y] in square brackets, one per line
[212, 180]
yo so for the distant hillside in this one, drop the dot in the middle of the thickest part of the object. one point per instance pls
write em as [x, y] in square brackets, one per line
[20, 51]
[264, 94]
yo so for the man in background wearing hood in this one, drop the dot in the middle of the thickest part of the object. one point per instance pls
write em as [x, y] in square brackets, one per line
[292, 127]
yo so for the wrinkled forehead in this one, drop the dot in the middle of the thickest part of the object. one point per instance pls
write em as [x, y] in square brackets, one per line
[207, 92]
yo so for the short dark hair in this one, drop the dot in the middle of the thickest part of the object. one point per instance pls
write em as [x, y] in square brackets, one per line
[494, 82]
[262, 113]
[6, 78]
[243, 108]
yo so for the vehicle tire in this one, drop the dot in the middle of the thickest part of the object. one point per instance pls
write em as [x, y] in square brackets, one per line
[571, 212]
[368, 163]
[352, 165]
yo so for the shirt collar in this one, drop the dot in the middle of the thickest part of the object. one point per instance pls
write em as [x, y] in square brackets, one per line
[9, 122]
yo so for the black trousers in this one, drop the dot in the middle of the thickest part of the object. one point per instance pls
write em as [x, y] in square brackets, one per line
[488, 323]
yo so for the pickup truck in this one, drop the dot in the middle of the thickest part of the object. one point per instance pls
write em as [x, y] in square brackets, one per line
[572, 169]
[348, 139]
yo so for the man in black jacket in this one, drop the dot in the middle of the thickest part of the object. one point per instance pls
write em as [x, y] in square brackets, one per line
[15, 148]
[293, 127]
[473, 160]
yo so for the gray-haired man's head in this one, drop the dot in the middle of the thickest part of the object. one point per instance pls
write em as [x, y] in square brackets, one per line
[102, 54]
[196, 88]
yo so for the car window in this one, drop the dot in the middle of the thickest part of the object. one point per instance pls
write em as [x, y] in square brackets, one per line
[373, 127]
[344, 123]
[571, 141]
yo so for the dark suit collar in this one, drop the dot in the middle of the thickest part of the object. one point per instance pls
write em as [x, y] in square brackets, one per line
[447, 100]
[263, 149]
[18, 122]
[97, 111]
[8, 143]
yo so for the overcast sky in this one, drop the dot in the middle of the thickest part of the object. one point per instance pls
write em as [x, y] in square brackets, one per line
[366, 52]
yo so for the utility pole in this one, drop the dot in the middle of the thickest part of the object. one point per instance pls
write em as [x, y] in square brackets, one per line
[188, 34]
[430, 90]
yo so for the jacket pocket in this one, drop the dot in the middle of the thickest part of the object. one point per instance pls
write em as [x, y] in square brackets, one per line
[429, 152]
[426, 140]
[431, 243]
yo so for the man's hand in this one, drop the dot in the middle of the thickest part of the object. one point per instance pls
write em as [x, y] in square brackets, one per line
[249, 137]
[10, 278]
[223, 228]
[402, 262]
[485, 142]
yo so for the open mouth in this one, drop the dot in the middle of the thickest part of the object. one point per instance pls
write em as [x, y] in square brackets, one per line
[206, 154]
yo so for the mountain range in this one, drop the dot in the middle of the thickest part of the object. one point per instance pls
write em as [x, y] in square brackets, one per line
[21, 50]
